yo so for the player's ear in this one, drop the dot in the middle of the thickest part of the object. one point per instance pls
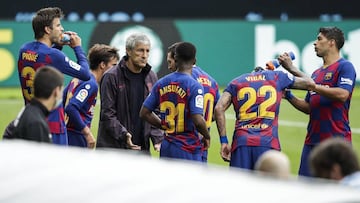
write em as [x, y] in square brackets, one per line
[57, 92]
[102, 65]
[47, 29]
[127, 50]
[194, 62]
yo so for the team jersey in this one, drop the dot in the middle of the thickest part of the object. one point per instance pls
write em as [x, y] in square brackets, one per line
[211, 97]
[211, 93]
[80, 100]
[330, 118]
[34, 55]
[256, 99]
[179, 96]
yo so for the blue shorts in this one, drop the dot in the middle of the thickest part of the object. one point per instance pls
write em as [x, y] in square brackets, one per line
[76, 139]
[170, 150]
[304, 169]
[59, 139]
[246, 156]
[204, 154]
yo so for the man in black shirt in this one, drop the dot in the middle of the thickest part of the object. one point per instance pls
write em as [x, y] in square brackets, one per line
[123, 89]
[31, 123]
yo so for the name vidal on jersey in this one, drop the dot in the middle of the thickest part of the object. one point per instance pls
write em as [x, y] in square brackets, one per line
[173, 88]
[255, 78]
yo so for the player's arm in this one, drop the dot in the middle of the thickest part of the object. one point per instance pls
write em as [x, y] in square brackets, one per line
[155, 121]
[286, 62]
[75, 104]
[156, 134]
[301, 80]
[89, 137]
[200, 125]
[344, 87]
[220, 108]
[303, 83]
[217, 97]
[150, 117]
[65, 65]
[334, 93]
[345, 84]
[79, 69]
[75, 43]
[73, 113]
[298, 103]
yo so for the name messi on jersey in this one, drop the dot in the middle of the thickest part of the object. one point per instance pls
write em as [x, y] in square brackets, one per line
[204, 81]
[255, 78]
[173, 88]
[29, 56]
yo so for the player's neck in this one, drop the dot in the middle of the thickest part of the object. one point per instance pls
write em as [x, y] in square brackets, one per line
[97, 74]
[186, 71]
[331, 58]
[45, 41]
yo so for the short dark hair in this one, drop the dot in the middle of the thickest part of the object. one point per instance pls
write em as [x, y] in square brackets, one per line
[45, 17]
[185, 51]
[333, 151]
[101, 53]
[46, 79]
[333, 33]
[171, 49]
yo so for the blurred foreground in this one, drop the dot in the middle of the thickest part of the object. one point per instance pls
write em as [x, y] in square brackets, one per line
[32, 172]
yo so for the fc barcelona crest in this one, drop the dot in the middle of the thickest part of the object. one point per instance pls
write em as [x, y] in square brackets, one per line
[328, 76]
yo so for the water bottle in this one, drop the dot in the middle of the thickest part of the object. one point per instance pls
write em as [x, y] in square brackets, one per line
[271, 65]
[65, 38]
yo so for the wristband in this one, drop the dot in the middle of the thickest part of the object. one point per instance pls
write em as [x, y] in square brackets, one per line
[288, 95]
[223, 139]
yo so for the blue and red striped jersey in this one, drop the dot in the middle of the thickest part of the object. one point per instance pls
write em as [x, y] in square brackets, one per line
[179, 96]
[34, 55]
[211, 93]
[330, 118]
[80, 100]
[256, 99]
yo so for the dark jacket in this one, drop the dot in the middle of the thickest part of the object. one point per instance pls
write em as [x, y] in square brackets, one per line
[32, 124]
[115, 114]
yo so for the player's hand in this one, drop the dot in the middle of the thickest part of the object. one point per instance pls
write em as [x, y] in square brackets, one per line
[206, 143]
[225, 152]
[285, 60]
[157, 147]
[90, 140]
[75, 39]
[89, 137]
[130, 144]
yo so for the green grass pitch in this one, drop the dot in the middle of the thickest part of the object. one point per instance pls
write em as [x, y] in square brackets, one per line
[292, 125]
